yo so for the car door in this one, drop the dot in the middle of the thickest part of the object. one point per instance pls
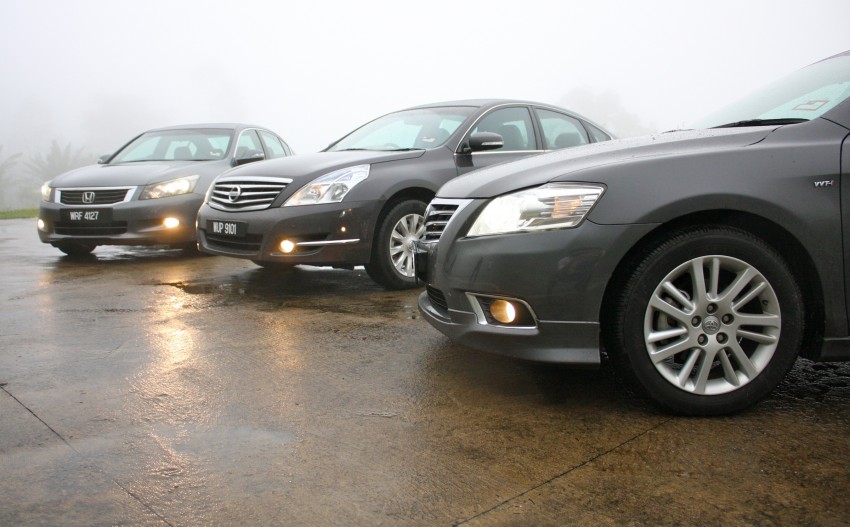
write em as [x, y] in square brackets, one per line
[516, 126]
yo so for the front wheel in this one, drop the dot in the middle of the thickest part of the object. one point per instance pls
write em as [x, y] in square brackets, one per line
[707, 321]
[76, 249]
[392, 249]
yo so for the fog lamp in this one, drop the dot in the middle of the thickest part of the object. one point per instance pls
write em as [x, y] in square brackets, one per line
[40, 224]
[503, 311]
[170, 223]
[287, 246]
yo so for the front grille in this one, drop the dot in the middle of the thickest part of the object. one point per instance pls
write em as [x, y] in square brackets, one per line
[436, 218]
[93, 196]
[248, 245]
[438, 299]
[111, 228]
[236, 194]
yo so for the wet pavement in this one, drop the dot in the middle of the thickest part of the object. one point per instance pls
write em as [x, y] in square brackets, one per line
[144, 386]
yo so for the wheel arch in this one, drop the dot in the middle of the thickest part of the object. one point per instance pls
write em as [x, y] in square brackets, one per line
[793, 252]
[419, 193]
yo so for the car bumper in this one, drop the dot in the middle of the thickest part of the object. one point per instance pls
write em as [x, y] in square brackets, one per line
[559, 277]
[138, 222]
[327, 234]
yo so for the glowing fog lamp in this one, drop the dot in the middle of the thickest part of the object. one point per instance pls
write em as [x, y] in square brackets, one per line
[503, 311]
[41, 225]
[171, 223]
[287, 246]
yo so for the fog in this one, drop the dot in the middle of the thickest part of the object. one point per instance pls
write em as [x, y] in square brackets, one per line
[85, 76]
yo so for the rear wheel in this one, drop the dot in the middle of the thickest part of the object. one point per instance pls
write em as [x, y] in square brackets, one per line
[76, 249]
[392, 249]
[707, 321]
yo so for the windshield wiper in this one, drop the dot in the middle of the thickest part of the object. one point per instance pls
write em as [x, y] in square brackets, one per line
[349, 149]
[762, 122]
[402, 149]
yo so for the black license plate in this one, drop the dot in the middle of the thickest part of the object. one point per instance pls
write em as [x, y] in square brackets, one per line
[87, 215]
[237, 229]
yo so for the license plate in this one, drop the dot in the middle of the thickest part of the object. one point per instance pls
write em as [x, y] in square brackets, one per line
[87, 215]
[237, 229]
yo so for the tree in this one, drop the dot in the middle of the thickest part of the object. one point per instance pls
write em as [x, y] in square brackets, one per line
[7, 177]
[58, 160]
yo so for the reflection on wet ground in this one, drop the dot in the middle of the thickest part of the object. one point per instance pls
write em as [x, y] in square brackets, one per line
[148, 386]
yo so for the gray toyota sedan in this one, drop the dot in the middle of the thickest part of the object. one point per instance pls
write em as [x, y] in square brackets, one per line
[150, 190]
[704, 261]
[361, 201]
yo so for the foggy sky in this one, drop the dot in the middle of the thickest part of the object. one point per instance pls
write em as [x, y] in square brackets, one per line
[95, 73]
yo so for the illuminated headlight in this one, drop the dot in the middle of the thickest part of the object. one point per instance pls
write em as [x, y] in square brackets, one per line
[330, 188]
[551, 206]
[173, 187]
[45, 191]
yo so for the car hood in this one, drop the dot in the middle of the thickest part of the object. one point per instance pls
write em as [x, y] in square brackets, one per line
[306, 167]
[134, 174]
[575, 164]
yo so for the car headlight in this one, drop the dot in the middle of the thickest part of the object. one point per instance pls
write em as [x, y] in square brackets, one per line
[45, 191]
[172, 187]
[551, 206]
[330, 188]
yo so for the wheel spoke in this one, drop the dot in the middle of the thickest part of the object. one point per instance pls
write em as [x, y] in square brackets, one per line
[672, 350]
[698, 279]
[753, 293]
[767, 320]
[743, 361]
[670, 310]
[761, 338]
[703, 371]
[715, 277]
[685, 374]
[728, 370]
[741, 281]
[677, 295]
[658, 336]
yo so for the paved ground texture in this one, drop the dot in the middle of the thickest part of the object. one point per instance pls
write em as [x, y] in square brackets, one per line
[147, 387]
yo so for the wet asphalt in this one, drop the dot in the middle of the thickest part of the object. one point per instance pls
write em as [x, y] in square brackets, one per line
[145, 386]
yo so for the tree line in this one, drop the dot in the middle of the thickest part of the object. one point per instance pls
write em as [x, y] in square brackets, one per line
[21, 176]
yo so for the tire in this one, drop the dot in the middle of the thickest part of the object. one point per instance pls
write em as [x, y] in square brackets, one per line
[707, 346]
[391, 264]
[76, 249]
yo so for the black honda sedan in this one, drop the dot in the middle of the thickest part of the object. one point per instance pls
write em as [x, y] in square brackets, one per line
[704, 261]
[361, 201]
[150, 190]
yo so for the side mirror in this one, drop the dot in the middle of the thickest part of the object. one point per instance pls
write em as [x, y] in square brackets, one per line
[104, 159]
[483, 141]
[248, 156]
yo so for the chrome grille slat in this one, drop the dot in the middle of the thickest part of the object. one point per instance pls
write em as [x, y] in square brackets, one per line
[438, 214]
[237, 194]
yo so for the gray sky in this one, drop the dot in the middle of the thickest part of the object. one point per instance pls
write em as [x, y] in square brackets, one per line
[94, 73]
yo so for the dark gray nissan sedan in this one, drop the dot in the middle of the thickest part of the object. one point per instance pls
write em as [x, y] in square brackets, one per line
[361, 201]
[704, 261]
[150, 190]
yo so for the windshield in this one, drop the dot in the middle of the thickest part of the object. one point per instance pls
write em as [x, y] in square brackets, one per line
[804, 95]
[176, 145]
[406, 130]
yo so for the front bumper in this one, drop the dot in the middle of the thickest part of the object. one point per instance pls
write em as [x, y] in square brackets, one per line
[135, 222]
[560, 275]
[327, 234]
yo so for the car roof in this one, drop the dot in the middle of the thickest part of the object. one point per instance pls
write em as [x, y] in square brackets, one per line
[478, 103]
[227, 126]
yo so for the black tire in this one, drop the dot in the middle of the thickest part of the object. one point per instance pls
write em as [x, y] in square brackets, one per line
[76, 249]
[663, 327]
[391, 264]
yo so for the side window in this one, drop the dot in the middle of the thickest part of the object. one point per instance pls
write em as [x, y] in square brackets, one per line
[273, 144]
[597, 134]
[513, 124]
[248, 145]
[561, 131]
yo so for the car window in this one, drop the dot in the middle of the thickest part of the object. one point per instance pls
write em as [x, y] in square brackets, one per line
[181, 145]
[423, 128]
[597, 134]
[273, 144]
[561, 131]
[248, 145]
[513, 124]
